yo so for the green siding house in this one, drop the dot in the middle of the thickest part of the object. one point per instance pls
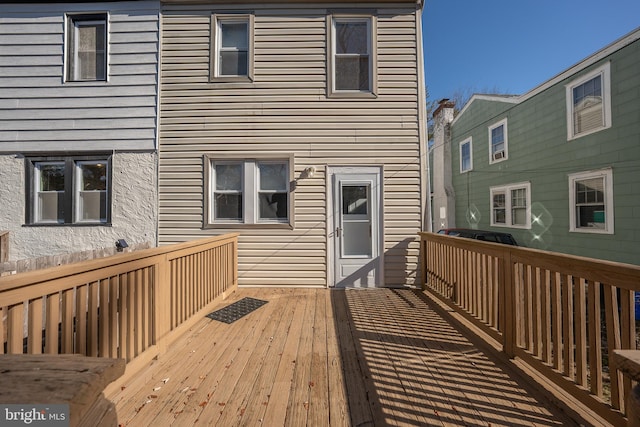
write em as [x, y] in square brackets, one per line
[558, 167]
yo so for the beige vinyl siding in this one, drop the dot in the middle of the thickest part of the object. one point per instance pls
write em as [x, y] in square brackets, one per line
[286, 111]
[39, 111]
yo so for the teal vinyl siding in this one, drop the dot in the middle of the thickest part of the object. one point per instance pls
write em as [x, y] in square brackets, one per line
[539, 153]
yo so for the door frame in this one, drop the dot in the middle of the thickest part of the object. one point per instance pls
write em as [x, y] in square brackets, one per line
[331, 172]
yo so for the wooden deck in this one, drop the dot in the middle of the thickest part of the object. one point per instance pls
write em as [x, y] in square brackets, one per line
[329, 357]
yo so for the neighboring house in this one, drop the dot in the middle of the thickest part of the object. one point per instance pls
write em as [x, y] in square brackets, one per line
[558, 167]
[78, 121]
[300, 125]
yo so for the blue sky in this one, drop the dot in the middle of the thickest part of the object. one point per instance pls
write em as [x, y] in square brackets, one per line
[512, 46]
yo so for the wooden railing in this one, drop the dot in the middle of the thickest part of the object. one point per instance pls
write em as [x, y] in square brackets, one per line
[129, 306]
[4, 246]
[562, 315]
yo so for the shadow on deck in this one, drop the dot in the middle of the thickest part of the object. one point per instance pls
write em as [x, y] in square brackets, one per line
[321, 357]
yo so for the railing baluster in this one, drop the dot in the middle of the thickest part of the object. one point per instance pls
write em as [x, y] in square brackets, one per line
[595, 338]
[613, 342]
[34, 335]
[81, 320]
[581, 333]
[92, 327]
[14, 329]
[114, 289]
[545, 303]
[568, 330]
[556, 323]
[67, 321]
[51, 324]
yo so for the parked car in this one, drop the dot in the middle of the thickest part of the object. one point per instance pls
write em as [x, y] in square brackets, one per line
[488, 236]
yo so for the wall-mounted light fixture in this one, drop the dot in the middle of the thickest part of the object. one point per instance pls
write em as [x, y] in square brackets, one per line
[121, 244]
[309, 172]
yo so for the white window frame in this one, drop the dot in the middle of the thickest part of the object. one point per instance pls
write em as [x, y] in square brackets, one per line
[506, 190]
[493, 157]
[607, 176]
[71, 54]
[250, 192]
[371, 21]
[605, 72]
[470, 142]
[216, 41]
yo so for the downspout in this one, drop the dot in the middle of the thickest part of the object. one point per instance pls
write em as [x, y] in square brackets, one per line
[158, 101]
[423, 151]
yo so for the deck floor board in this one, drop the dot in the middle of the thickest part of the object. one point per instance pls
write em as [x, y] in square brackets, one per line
[329, 357]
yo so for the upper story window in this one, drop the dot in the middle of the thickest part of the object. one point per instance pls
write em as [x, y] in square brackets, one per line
[87, 47]
[511, 205]
[232, 47]
[498, 141]
[68, 190]
[466, 158]
[589, 103]
[591, 202]
[352, 64]
[249, 191]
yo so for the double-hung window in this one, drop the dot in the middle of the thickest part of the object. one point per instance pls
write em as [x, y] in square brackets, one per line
[466, 158]
[511, 205]
[249, 191]
[589, 103]
[86, 47]
[352, 65]
[591, 202]
[498, 138]
[68, 190]
[232, 47]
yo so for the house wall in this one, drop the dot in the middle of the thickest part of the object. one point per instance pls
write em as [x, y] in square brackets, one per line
[286, 110]
[40, 113]
[539, 153]
[133, 215]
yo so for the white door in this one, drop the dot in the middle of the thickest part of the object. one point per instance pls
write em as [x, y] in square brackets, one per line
[356, 229]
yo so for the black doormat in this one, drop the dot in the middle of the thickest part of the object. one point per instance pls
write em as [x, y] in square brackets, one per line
[235, 311]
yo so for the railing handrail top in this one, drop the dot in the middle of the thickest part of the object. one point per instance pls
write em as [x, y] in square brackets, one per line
[61, 271]
[606, 270]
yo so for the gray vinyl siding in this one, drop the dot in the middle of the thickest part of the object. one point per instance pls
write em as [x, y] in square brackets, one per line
[41, 112]
[286, 111]
[540, 153]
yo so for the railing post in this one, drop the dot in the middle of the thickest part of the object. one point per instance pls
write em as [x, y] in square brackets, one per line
[423, 262]
[508, 308]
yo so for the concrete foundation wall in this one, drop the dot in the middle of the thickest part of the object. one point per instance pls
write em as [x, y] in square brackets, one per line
[133, 210]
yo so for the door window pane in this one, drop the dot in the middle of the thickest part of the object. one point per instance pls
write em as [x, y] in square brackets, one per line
[356, 222]
[355, 199]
